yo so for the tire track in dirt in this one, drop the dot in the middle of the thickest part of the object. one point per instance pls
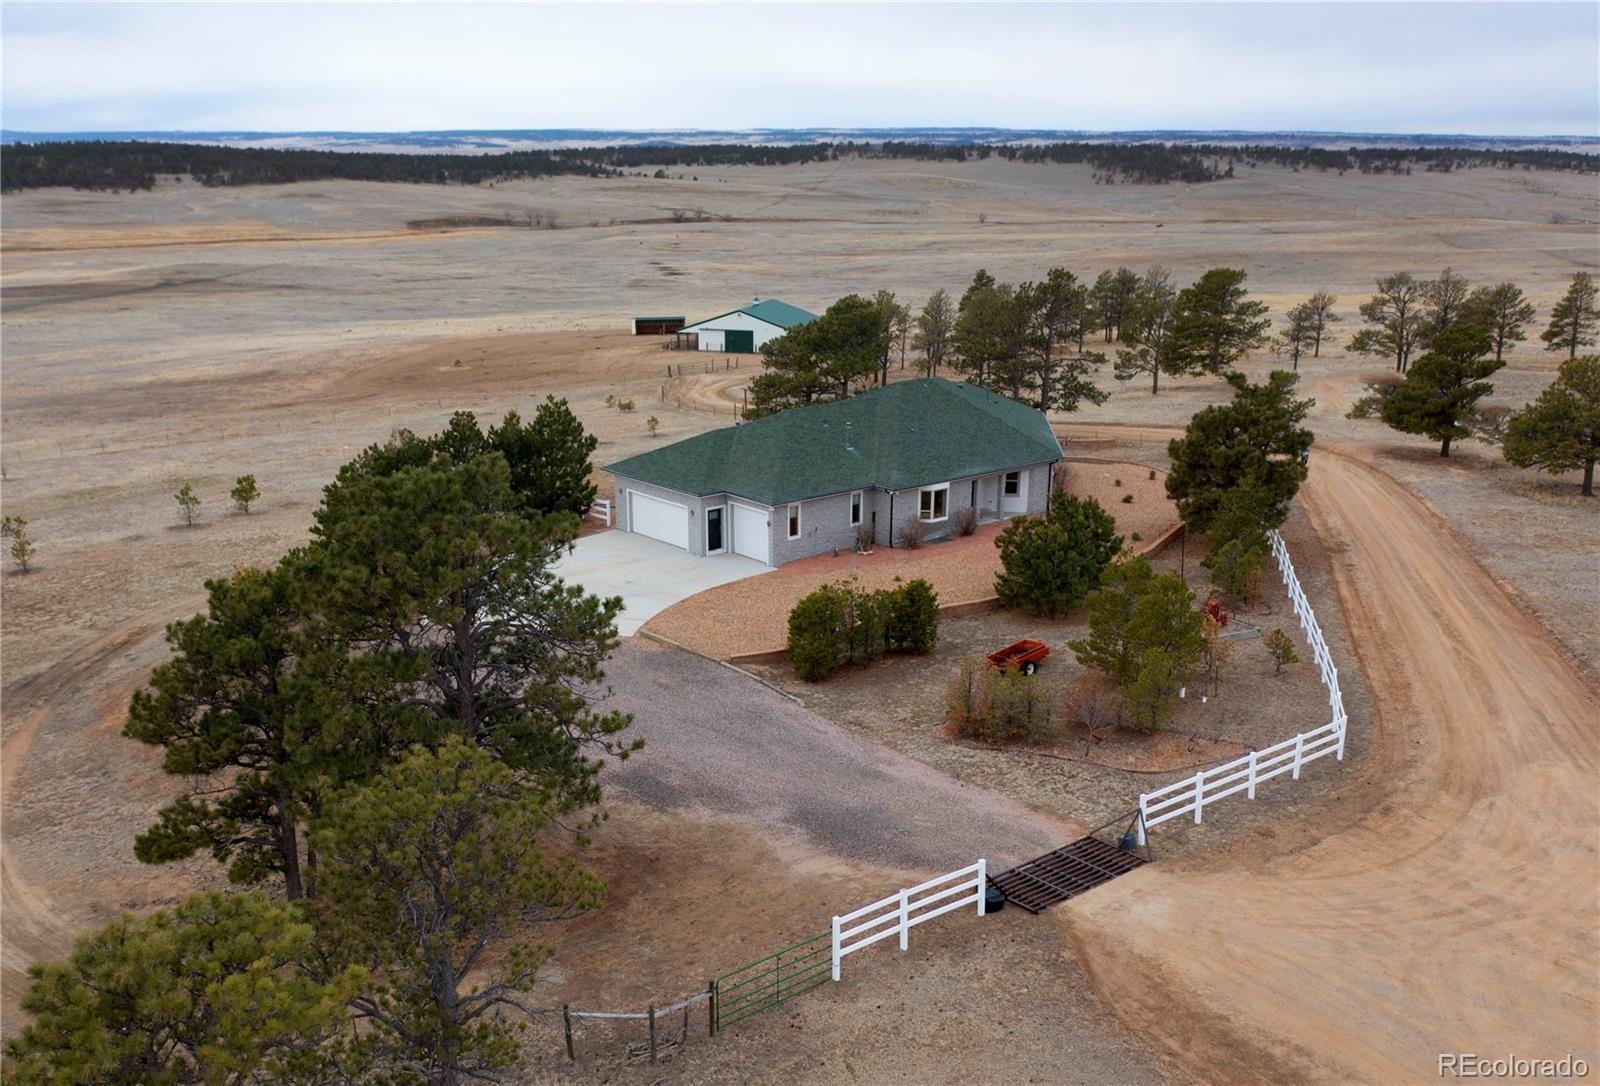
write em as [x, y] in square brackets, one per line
[1442, 899]
[35, 927]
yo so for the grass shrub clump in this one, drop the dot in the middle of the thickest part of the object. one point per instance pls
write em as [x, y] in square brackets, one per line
[841, 624]
[995, 706]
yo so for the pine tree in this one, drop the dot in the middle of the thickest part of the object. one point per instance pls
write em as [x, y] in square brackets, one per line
[1321, 306]
[1050, 563]
[1442, 390]
[1560, 431]
[1300, 333]
[262, 699]
[1214, 324]
[188, 502]
[1502, 311]
[935, 324]
[1145, 326]
[1146, 634]
[244, 492]
[217, 990]
[1445, 301]
[1254, 444]
[22, 549]
[988, 335]
[1396, 319]
[1575, 318]
[433, 871]
[440, 581]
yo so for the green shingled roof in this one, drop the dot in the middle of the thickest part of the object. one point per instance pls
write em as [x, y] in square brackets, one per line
[772, 311]
[909, 434]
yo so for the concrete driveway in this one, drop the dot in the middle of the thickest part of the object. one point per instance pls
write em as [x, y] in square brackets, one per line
[649, 575]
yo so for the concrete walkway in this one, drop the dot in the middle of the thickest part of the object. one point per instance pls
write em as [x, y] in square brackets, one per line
[649, 575]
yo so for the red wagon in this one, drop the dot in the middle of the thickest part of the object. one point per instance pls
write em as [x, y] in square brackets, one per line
[1022, 655]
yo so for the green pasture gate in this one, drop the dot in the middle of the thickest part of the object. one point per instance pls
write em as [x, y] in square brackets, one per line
[767, 982]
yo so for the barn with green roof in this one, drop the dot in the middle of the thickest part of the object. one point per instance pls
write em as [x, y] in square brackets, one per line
[836, 475]
[743, 330]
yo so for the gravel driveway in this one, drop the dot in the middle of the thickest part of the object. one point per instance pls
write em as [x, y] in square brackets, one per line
[717, 741]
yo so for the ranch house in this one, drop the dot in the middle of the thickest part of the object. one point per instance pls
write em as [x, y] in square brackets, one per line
[805, 481]
[743, 330]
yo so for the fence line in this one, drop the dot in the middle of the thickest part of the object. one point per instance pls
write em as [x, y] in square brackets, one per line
[601, 510]
[766, 982]
[1192, 794]
[898, 913]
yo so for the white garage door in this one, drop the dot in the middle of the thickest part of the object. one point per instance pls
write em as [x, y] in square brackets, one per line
[666, 521]
[751, 537]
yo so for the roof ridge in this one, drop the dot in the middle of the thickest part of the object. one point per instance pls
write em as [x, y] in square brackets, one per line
[955, 388]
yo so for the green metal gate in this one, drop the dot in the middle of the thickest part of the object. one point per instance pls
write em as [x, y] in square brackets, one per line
[739, 341]
[762, 984]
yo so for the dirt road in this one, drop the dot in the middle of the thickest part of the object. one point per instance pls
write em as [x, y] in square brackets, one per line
[1444, 900]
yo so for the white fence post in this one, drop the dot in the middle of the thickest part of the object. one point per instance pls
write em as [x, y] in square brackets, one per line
[1289, 756]
[836, 948]
[903, 910]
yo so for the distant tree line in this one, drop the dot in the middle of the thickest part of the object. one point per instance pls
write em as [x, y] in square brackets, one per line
[101, 165]
[135, 164]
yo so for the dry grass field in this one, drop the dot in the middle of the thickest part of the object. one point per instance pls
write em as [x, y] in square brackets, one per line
[194, 334]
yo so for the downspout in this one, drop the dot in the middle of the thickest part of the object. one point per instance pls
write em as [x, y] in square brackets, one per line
[1049, 485]
[891, 520]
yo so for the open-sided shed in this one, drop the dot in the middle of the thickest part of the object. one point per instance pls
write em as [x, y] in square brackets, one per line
[656, 326]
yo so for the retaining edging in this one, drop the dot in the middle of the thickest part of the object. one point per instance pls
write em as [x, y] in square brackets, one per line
[949, 610]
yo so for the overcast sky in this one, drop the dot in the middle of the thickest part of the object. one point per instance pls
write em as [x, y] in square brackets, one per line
[1515, 69]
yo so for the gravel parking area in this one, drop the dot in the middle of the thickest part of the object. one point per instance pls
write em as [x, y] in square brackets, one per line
[751, 616]
[719, 744]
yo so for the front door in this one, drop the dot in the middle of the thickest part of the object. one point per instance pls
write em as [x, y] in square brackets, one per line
[739, 341]
[714, 543]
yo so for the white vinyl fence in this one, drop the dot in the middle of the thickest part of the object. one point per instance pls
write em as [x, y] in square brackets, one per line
[1192, 794]
[601, 510]
[899, 913]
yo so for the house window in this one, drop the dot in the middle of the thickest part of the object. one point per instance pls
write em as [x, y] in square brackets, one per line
[935, 502]
[794, 520]
[855, 508]
[1013, 483]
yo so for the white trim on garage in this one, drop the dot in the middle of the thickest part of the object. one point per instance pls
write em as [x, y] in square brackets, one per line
[658, 519]
[752, 531]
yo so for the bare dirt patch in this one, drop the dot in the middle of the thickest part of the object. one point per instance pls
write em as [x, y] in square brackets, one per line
[691, 898]
[899, 703]
[1440, 868]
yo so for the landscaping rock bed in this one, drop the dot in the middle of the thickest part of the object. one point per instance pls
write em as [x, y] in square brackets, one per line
[900, 704]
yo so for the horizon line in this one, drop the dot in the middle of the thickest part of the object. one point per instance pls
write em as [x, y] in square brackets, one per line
[808, 129]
